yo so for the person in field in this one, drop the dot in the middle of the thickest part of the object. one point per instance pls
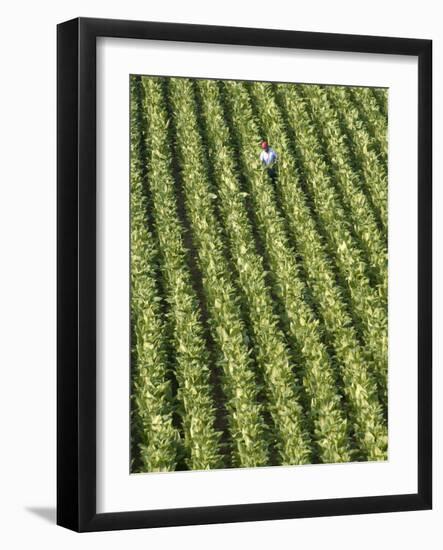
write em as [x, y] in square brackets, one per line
[268, 159]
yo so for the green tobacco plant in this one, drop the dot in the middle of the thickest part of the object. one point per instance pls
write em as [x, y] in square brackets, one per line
[272, 355]
[155, 439]
[375, 122]
[357, 207]
[374, 176]
[245, 413]
[367, 305]
[359, 387]
[258, 299]
[197, 409]
[330, 427]
[381, 97]
[369, 308]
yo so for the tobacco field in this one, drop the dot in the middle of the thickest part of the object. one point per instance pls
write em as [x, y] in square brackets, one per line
[259, 332]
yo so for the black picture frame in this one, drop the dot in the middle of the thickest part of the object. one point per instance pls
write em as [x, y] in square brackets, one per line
[76, 274]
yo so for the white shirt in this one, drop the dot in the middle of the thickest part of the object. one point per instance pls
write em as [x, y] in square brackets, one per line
[268, 157]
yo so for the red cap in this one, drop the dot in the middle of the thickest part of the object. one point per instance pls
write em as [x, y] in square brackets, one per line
[264, 144]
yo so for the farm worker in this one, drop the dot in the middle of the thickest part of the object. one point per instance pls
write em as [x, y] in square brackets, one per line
[268, 158]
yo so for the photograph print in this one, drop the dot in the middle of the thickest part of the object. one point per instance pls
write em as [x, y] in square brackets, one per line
[259, 274]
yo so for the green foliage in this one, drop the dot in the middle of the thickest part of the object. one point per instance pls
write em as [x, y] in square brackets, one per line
[330, 428]
[381, 97]
[246, 422]
[358, 209]
[359, 387]
[155, 439]
[368, 305]
[375, 121]
[292, 274]
[374, 175]
[197, 410]
[273, 357]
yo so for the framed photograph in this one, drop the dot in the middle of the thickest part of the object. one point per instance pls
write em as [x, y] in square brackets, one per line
[244, 274]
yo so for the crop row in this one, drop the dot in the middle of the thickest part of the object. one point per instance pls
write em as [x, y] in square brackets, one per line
[356, 204]
[272, 355]
[287, 338]
[359, 387]
[381, 97]
[330, 430]
[367, 305]
[197, 410]
[245, 413]
[372, 171]
[375, 122]
[155, 440]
